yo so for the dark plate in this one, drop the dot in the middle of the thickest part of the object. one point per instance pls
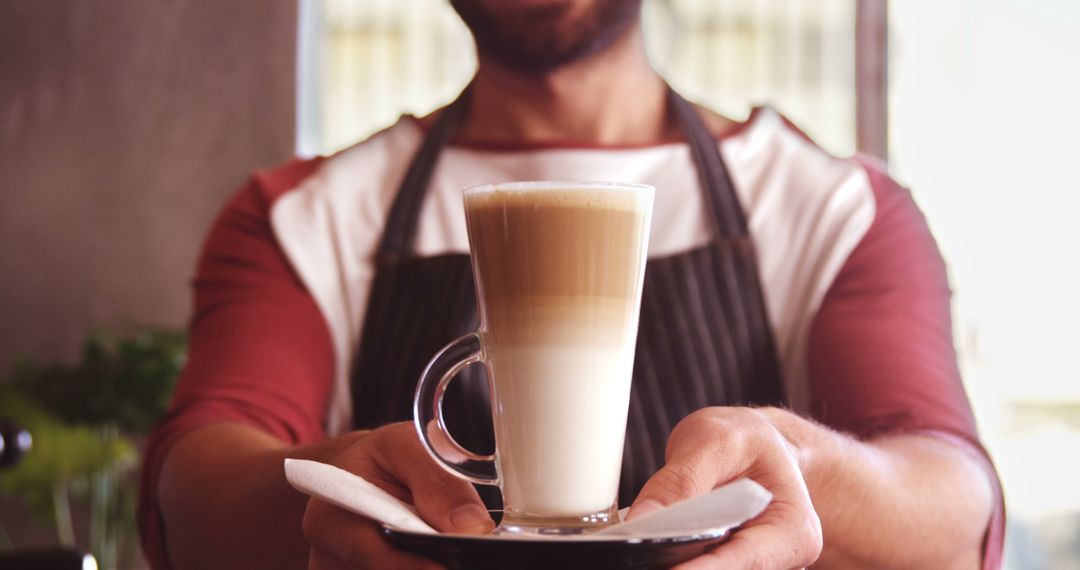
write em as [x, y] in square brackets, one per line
[483, 552]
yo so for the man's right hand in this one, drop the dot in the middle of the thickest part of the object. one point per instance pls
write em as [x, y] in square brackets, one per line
[393, 459]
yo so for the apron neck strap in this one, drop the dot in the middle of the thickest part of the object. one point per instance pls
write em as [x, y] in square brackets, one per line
[400, 232]
[727, 217]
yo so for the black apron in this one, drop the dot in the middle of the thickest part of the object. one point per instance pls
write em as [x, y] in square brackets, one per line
[703, 340]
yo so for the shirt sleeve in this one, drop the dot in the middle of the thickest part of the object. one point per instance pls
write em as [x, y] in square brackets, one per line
[881, 355]
[259, 354]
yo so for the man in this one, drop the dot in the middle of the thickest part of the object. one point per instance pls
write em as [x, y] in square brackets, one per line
[802, 285]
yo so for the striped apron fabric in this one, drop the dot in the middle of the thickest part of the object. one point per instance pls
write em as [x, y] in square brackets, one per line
[704, 337]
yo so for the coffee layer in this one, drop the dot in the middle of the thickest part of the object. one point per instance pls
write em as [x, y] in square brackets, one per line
[556, 320]
[558, 243]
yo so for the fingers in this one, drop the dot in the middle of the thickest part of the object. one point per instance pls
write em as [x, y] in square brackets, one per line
[704, 451]
[394, 459]
[714, 446]
[671, 484]
[447, 503]
[342, 540]
[785, 536]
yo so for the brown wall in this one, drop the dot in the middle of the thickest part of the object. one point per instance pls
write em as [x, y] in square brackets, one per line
[124, 125]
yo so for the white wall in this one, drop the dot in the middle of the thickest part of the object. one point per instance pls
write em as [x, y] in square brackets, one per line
[124, 126]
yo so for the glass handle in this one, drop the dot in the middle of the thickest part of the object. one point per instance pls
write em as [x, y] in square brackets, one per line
[428, 413]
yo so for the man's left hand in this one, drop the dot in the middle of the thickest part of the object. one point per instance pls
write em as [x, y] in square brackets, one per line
[714, 446]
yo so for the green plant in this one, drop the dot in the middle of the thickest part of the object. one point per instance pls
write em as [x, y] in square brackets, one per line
[124, 381]
[87, 421]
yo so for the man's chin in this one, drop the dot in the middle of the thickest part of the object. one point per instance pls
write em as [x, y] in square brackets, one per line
[538, 36]
[512, 4]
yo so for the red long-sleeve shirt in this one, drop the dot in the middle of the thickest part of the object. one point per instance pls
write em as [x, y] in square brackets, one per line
[856, 289]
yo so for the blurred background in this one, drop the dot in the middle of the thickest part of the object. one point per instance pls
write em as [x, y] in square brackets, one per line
[124, 126]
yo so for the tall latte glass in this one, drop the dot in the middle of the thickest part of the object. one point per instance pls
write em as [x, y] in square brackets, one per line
[559, 269]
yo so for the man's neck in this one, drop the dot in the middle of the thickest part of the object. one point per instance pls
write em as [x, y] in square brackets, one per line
[611, 98]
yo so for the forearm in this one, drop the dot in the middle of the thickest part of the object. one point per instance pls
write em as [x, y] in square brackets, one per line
[225, 502]
[904, 501]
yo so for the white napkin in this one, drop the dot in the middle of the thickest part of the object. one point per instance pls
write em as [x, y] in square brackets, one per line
[720, 510]
[352, 493]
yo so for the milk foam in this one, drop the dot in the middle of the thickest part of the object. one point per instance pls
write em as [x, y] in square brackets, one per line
[631, 197]
[559, 426]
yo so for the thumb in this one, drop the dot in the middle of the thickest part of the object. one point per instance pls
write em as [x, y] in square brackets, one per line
[675, 482]
[452, 505]
[447, 503]
[471, 519]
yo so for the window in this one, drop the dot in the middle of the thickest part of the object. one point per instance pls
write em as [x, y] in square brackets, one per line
[377, 59]
[984, 117]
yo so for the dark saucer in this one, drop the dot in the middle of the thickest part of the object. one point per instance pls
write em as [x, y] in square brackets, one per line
[491, 552]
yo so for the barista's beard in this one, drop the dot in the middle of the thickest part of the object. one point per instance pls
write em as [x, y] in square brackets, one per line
[543, 37]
